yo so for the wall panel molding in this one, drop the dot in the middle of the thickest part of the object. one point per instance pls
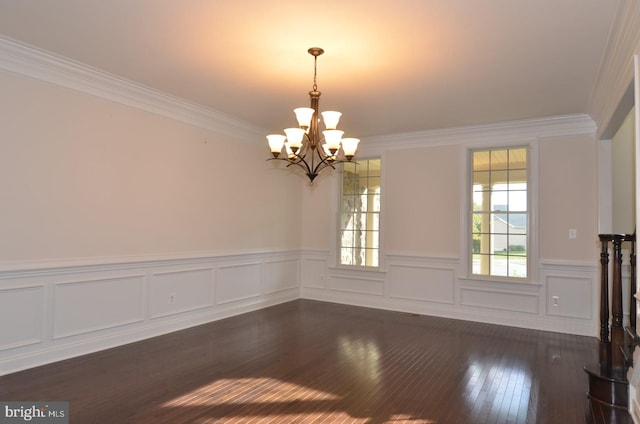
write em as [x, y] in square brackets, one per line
[424, 283]
[238, 282]
[281, 275]
[65, 310]
[503, 300]
[88, 306]
[437, 286]
[180, 290]
[62, 316]
[22, 315]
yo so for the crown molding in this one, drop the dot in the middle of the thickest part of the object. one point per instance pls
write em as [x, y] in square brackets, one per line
[500, 132]
[28, 61]
[615, 73]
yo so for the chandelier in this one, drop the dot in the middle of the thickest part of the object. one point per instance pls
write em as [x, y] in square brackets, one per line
[303, 146]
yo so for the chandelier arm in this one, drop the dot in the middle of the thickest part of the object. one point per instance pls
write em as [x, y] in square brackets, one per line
[299, 161]
[325, 164]
[299, 158]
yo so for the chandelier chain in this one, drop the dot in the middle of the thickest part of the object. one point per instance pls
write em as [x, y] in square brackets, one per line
[315, 72]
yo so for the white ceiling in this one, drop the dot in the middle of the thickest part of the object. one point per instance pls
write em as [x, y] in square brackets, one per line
[391, 66]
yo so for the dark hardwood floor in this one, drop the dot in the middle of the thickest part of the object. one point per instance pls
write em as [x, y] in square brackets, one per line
[315, 362]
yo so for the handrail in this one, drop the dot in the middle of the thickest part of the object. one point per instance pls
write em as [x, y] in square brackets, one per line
[614, 312]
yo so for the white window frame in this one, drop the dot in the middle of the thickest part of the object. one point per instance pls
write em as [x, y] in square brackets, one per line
[466, 237]
[337, 245]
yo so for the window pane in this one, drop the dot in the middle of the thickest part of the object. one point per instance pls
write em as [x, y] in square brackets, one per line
[482, 179]
[481, 264]
[362, 186]
[517, 176]
[372, 203]
[373, 184]
[499, 220]
[360, 221]
[517, 223]
[499, 159]
[481, 160]
[500, 178]
[373, 257]
[347, 238]
[346, 256]
[518, 266]
[518, 244]
[499, 200]
[500, 266]
[518, 200]
[499, 244]
[518, 159]
[481, 198]
[481, 223]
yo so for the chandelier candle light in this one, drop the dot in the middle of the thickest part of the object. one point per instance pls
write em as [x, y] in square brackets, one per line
[303, 146]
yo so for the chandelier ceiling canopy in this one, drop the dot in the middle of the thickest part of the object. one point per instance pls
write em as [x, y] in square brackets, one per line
[303, 146]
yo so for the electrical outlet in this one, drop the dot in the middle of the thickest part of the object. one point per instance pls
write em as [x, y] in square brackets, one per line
[573, 234]
[172, 298]
[556, 301]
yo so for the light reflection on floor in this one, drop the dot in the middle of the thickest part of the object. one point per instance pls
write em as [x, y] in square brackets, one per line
[268, 400]
[363, 357]
[506, 390]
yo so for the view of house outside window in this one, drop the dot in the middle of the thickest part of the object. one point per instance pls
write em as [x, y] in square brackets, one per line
[499, 221]
[360, 213]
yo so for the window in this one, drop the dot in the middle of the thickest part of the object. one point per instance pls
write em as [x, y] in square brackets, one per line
[500, 218]
[360, 213]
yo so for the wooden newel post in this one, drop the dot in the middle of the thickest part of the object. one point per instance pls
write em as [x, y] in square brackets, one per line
[604, 289]
[616, 288]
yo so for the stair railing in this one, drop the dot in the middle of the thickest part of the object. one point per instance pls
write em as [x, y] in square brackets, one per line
[611, 312]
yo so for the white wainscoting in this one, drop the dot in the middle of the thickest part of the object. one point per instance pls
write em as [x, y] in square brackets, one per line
[500, 299]
[55, 311]
[423, 283]
[60, 310]
[238, 282]
[281, 275]
[21, 314]
[439, 287]
[180, 290]
[87, 306]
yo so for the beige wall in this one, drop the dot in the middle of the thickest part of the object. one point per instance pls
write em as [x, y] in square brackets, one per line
[623, 176]
[318, 211]
[422, 201]
[84, 177]
[568, 198]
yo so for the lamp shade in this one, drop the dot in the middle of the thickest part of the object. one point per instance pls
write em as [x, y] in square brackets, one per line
[331, 119]
[294, 137]
[349, 147]
[332, 138]
[276, 141]
[304, 116]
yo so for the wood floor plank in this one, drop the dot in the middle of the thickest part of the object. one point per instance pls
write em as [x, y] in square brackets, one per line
[314, 362]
